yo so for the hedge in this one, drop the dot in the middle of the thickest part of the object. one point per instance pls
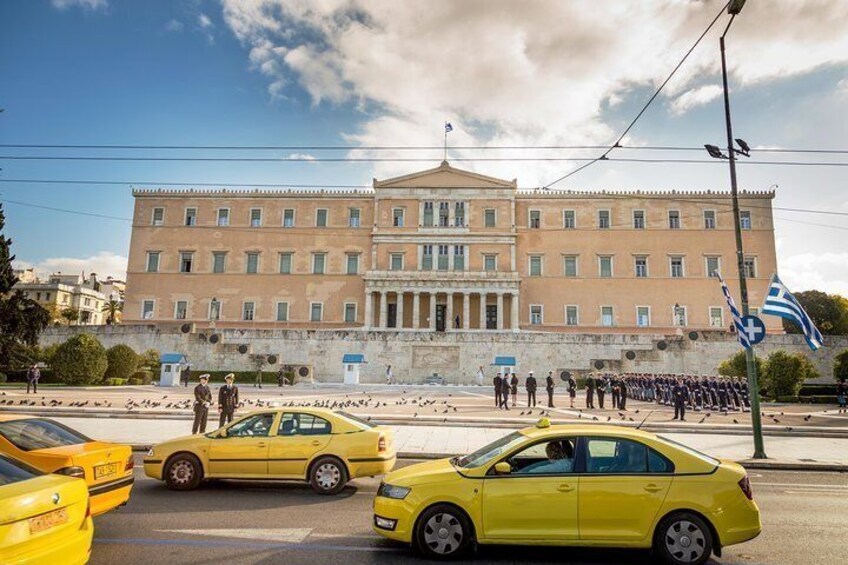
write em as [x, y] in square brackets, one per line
[241, 377]
[146, 377]
[122, 362]
[116, 382]
[81, 360]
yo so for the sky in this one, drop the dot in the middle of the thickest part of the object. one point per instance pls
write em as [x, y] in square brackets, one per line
[360, 74]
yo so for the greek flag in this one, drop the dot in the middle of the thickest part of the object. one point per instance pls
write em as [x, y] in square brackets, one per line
[780, 302]
[734, 312]
[448, 127]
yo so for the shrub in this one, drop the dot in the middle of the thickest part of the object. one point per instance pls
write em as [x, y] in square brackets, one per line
[736, 366]
[2, 378]
[785, 372]
[840, 366]
[241, 377]
[150, 360]
[788, 399]
[122, 362]
[80, 360]
[116, 382]
[135, 382]
[146, 377]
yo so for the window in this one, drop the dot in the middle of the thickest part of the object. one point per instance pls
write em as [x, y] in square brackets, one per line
[552, 457]
[605, 266]
[536, 314]
[252, 426]
[282, 311]
[641, 267]
[396, 262]
[186, 260]
[709, 219]
[678, 315]
[191, 216]
[288, 218]
[428, 214]
[352, 263]
[490, 262]
[152, 261]
[570, 265]
[248, 310]
[219, 261]
[604, 219]
[353, 218]
[158, 216]
[444, 257]
[643, 316]
[180, 310]
[676, 267]
[459, 214]
[316, 311]
[397, 217]
[255, 217]
[318, 260]
[223, 216]
[444, 214]
[147, 307]
[716, 317]
[713, 266]
[350, 313]
[572, 315]
[535, 219]
[47, 296]
[569, 219]
[610, 456]
[214, 309]
[321, 218]
[638, 219]
[458, 257]
[535, 265]
[489, 217]
[285, 263]
[750, 266]
[29, 434]
[251, 263]
[607, 318]
[674, 219]
[427, 257]
[294, 424]
[745, 219]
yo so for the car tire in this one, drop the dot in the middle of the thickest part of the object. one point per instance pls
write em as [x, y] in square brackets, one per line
[328, 475]
[183, 472]
[443, 532]
[683, 538]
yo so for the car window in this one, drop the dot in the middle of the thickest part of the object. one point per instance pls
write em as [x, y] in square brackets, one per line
[12, 471]
[657, 463]
[297, 424]
[258, 425]
[693, 452]
[486, 453]
[554, 457]
[29, 434]
[615, 456]
[356, 419]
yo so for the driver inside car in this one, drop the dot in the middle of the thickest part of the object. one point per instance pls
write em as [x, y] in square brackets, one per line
[560, 460]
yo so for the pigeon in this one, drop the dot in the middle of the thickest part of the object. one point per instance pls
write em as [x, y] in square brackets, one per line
[701, 421]
[807, 418]
[735, 421]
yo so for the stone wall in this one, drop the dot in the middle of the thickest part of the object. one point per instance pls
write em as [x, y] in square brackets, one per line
[456, 356]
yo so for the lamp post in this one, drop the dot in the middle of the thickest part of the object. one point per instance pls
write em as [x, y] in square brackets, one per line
[733, 9]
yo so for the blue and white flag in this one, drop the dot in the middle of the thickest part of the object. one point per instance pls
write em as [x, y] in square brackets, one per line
[780, 302]
[448, 127]
[734, 313]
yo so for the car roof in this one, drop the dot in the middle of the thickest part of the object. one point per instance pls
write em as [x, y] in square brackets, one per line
[587, 430]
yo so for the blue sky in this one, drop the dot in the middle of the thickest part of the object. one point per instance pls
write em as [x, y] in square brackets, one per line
[342, 72]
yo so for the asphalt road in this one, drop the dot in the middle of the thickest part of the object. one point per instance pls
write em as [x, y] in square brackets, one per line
[237, 522]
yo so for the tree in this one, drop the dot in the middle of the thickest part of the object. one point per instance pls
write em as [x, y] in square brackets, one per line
[80, 360]
[840, 366]
[70, 314]
[829, 312]
[150, 360]
[737, 366]
[21, 319]
[112, 309]
[785, 373]
[122, 362]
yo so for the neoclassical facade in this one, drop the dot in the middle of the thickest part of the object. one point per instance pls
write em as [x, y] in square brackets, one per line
[443, 250]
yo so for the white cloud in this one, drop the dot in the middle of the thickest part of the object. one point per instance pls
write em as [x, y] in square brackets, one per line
[174, 25]
[104, 263]
[301, 157]
[695, 97]
[827, 272]
[86, 4]
[204, 21]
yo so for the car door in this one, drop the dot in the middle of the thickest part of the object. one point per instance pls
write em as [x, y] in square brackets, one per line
[300, 436]
[623, 486]
[243, 452]
[537, 499]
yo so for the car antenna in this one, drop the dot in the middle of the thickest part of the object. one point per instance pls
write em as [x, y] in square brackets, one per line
[645, 420]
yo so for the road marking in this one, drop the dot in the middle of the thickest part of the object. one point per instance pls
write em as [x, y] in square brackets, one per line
[284, 535]
[801, 485]
[207, 543]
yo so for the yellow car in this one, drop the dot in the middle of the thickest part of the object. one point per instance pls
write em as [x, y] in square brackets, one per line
[587, 485]
[44, 519]
[52, 447]
[321, 447]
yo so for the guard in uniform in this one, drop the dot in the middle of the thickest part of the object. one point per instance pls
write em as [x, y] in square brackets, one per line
[228, 399]
[722, 395]
[616, 393]
[202, 402]
[622, 393]
[572, 390]
[590, 391]
[600, 387]
[530, 385]
[513, 385]
[505, 388]
[680, 393]
[549, 387]
[498, 383]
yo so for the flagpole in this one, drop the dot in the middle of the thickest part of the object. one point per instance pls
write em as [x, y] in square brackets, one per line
[446, 142]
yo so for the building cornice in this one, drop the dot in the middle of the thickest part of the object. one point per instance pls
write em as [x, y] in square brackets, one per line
[365, 193]
[539, 193]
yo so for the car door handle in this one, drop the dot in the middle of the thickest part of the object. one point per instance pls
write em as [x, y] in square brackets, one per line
[653, 488]
[316, 442]
[261, 444]
[565, 488]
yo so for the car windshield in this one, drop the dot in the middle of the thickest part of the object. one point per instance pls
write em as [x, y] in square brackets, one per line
[356, 419]
[484, 454]
[12, 471]
[30, 434]
[693, 452]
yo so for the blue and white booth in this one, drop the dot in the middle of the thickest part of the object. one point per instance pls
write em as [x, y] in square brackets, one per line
[352, 362]
[505, 364]
[172, 368]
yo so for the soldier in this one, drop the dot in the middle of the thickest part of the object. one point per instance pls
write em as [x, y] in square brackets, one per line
[530, 385]
[616, 392]
[622, 393]
[743, 392]
[549, 387]
[590, 391]
[186, 375]
[479, 376]
[601, 389]
[698, 393]
[390, 376]
[841, 391]
[712, 386]
[572, 390]
[513, 385]
[680, 393]
[722, 395]
[202, 402]
[497, 382]
[505, 389]
[228, 399]
[736, 394]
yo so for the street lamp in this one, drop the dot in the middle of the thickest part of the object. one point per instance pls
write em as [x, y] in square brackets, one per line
[734, 8]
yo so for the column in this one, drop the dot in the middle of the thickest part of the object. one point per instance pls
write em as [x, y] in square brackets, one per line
[369, 309]
[399, 311]
[449, 313]
[500, 310]
[514, 314]
[466, 310]
[416, 309]
[432, 311]
[384, 309]
[483, 298]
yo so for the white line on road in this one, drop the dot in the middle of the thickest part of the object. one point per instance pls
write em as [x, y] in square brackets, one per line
[286, 535]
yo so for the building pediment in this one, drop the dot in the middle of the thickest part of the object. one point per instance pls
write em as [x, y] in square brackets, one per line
[445, 176]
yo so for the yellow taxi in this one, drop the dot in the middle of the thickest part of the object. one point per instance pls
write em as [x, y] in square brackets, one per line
[322, 447]
[52, 447]
[588, 485]
[44, 519]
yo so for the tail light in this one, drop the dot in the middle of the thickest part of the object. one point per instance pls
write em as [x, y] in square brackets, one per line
[77, 472]
[381, 444]
[745, 485]
[130, 464]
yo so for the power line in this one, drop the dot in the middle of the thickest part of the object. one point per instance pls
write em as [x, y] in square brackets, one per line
[65, 210]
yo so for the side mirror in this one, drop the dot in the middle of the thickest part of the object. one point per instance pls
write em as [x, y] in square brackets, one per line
[503, 468]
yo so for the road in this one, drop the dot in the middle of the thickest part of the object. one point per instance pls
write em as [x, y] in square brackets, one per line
[252, 523]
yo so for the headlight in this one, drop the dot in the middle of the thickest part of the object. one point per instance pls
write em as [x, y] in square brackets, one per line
[391, 491]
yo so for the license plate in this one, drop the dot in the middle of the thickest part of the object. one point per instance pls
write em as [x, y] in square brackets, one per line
[105, 470]
[47, 521]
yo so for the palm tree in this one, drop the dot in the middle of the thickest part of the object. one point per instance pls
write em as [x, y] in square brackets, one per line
[113, 308]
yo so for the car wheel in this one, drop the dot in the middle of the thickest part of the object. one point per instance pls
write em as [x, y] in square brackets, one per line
[683, 538]
[328, 476]
[183, 472]
[443, 532]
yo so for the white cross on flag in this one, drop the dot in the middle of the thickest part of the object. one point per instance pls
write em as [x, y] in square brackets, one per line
[741, 332]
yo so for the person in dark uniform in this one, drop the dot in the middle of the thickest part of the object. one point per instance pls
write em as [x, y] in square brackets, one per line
[616, 393]
[713, 389]
[735, 396]
[549, 387]
[497, 382]
[622, 393]
[743, 392]
[572, 390]
[530, 385]
[185, 375]
[228, 399]
[680, 393]
[505, 389]
[513, 385]
[202, 402]
[590, 391]
[841, 392]
[601, 389]
[722, 395]
[698, 394]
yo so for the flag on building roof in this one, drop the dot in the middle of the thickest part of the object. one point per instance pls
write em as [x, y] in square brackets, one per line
[448, 127]
[780, 302]
[734, 313]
